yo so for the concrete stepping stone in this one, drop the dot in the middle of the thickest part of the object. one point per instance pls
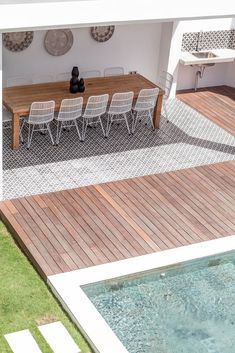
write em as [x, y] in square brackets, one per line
[58, 338]
[22, 342]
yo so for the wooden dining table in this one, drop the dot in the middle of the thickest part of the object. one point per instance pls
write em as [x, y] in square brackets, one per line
[18, 99]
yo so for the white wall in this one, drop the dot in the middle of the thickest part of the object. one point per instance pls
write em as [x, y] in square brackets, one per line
[230, 74]
[213, 76]
[219, 74]
[135, 47]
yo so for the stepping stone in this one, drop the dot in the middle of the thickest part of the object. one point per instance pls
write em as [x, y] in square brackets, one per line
[58, 338]
[22, 342]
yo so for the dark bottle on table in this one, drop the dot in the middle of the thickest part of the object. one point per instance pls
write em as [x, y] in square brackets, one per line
[81, 85]
[74, 82]
[75, 71]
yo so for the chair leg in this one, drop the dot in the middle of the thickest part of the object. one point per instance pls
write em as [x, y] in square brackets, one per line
[165, 110]
[21, 129]
[127, 125]
[76, 125]
[150, 114]
[102, 126]
[135, 117]
[109, 124]
[62, 127]
[58, 127]
[50, 133]
[84, 128]
[30, 135]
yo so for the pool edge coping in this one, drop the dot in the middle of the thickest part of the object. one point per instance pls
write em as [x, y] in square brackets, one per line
[67, 286]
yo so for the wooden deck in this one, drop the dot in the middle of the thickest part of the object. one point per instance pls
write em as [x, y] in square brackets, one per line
[77, 228]
[216, 103]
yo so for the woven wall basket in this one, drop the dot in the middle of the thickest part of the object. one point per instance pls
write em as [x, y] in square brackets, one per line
[58, 42]
[102, 33]
[17, 41]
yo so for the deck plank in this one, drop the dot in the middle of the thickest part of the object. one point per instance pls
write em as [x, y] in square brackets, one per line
[92, 225]
[216, 103]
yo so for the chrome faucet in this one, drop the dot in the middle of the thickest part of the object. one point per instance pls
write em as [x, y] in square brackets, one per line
[200, 41]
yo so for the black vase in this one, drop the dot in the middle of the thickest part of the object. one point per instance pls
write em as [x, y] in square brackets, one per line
[74, 85]
[75, 71]
[81, 85]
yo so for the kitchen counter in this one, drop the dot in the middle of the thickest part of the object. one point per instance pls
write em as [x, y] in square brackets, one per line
[222, 55]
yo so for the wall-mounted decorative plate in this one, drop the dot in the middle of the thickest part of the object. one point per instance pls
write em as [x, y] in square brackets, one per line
[17, 41]
[58, 42]
[102, 33]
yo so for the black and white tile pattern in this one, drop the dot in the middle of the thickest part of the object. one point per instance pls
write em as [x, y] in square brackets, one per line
[208, 40]
[188, 140]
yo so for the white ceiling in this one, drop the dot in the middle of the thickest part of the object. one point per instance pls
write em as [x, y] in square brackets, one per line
[39, 14]
[8, 2]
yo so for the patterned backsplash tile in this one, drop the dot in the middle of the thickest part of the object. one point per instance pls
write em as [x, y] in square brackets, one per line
[208, 40]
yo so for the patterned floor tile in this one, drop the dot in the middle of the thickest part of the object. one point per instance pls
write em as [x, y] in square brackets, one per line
[188, 140]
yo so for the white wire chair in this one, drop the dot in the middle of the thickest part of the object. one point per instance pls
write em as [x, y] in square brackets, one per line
[120, 106]
[41, 114]
[166, 80]
[91, 73]
[43, 78]
[19, 81]
[144, 106]
[70, 111]
[112, 71]
[95, 108]
[63, 76]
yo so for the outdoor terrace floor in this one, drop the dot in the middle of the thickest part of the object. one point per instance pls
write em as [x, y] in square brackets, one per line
[73, 229]
[216, 103]
[189, 139]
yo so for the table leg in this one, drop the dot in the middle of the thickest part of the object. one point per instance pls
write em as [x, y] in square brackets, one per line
[15, 131]
[157, 112]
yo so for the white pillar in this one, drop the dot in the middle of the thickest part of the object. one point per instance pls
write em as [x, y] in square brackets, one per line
[1, 137]
[174, 55]
[165, 45]
[171, 38]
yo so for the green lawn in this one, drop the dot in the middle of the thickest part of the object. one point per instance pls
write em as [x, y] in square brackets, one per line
[25, 300]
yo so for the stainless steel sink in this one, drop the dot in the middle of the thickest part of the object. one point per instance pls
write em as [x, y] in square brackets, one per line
[204, 54]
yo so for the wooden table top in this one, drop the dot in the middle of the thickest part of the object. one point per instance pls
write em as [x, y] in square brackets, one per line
[18, 99]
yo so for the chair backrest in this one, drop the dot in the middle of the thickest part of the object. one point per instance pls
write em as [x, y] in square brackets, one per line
[63, 76]
[121, 103]
[43, 78]
[147, 98]
[166, 80]
[91, 73]
[41, 112]
[70, 109]
[112, 71]
[96, 106]
[19, 81]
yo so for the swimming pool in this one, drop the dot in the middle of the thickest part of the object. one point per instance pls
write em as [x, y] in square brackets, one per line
[187, 308]
[176, 301]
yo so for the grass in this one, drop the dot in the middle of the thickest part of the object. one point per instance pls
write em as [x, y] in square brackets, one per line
[25, 301]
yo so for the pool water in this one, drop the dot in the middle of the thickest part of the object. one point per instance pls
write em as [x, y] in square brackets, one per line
[188, 308]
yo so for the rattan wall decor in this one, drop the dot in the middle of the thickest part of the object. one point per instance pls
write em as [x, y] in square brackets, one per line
[58, 42]
[102, 33]
[17, 41]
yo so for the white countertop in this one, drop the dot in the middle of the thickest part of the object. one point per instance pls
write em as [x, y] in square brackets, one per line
[222, 55]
